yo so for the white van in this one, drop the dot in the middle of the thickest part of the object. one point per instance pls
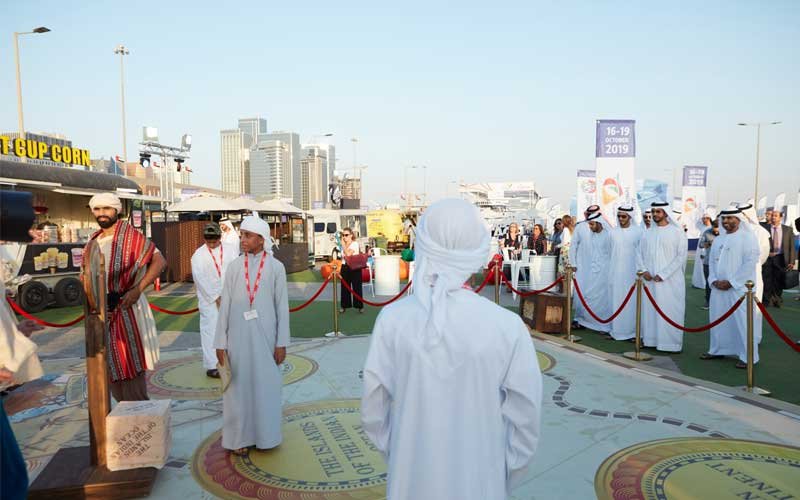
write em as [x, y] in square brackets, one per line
[329, 222]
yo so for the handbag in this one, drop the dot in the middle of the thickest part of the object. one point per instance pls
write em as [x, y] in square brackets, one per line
[792, 279]
[356, 261]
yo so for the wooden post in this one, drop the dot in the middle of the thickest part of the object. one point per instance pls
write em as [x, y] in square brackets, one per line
[79, 473]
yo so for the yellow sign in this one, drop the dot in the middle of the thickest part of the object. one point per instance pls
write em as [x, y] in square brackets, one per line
[683, 468]
[37, 150]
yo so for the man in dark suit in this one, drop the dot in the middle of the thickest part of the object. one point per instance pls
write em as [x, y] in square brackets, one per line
[781, 259]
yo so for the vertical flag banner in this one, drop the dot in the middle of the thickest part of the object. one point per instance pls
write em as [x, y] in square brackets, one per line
[615, 155]
[587, 191]
[693, 202]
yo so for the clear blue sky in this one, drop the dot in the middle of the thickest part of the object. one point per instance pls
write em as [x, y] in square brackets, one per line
[474, 91]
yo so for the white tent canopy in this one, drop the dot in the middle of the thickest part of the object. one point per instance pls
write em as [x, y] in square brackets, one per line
[204, 204]
[217, 204]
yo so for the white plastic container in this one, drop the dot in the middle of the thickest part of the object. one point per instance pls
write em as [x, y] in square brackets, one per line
[543, 271]
[387, 275]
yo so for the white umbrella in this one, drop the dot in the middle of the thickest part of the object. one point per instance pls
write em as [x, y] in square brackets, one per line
[203, 204]
[278, 206]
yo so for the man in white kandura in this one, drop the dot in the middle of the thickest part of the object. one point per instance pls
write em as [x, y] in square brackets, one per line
[209, 264]
[580, 256]
[733, 260]
[253, 328]
[624, 246]
[452, 389]
[230, 238]
[594, 280]
[662, 257]
[698, 277]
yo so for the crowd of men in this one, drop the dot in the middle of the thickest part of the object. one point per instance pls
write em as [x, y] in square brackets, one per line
[734, 249]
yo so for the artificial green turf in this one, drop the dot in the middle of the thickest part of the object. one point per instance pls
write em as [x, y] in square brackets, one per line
[776, 370]
[306, 276]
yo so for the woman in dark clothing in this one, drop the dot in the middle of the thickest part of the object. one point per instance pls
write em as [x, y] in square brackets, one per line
[538, 241]
[351, 276]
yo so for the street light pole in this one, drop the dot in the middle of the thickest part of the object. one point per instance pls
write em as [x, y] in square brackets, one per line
[758, 152]
[122, 51]
[20, 119]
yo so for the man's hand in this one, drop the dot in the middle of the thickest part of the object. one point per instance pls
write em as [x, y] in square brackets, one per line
[647, 276]
[658, 279]
[28, 326]
[790, 266]
[280, 355]
[221, 357]
[218, 301]
[6, 376]
[130, 297]
[722, 285]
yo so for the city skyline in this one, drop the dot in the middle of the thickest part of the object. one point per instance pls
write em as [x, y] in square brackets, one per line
[475, 94]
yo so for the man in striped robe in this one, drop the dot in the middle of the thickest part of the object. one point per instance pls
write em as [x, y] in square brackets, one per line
[132, 263]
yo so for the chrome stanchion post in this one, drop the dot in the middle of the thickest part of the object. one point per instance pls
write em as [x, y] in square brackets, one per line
[568, 306]
[750, 301]
[637, 355]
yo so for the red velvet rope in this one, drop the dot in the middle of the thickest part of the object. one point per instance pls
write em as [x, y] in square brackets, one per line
[174, 313]
[374, 304]
[530, 292]
[42, 322]
[610, 318]
[313, 298]
[775, 327]
[485, 281]
[692, 330]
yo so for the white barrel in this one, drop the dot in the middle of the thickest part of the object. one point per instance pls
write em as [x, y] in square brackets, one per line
[543, 271]
[387, 275]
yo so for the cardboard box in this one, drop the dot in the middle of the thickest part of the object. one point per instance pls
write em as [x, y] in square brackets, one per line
[138, 435]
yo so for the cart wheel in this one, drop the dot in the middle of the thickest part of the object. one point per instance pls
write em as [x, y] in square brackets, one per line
[68, 292]
[33, 296]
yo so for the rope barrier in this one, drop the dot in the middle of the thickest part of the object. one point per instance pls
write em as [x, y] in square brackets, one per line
[174, 313]
[313, 297]
[592, 314]
[775, 327]
[486, 279]
[374, 304]
[42, 322]
[530, 292]
[687, 329]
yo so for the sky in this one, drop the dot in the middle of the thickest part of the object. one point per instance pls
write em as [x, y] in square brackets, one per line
[472, 91]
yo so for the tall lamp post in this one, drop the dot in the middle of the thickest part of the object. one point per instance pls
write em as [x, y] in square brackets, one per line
[758, 151]
[39, 30]
[122, 51]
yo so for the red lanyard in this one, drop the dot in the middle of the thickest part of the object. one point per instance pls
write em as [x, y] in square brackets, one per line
[252, 296]
[219, 271]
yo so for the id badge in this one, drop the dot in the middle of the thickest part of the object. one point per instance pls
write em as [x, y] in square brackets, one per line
[250, 315]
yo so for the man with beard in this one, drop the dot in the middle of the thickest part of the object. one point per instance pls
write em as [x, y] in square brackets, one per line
[780, 260]
[580, 257]
[662, 257]
[733, 262]
[594, 280]
[624, 247]
[132, 263]
[646, 218]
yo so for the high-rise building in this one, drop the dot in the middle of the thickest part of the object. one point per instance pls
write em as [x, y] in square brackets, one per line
[327, 152]
[270, 169]
[252, 128]
[313, 184]
[287, 170]
[234, 160]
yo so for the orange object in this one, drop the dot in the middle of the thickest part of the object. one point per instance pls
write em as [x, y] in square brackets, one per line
[327, 269]
[403, 270]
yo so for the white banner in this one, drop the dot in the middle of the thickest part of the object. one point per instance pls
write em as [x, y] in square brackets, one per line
[587, 191]
[615, 158]
[693, 202]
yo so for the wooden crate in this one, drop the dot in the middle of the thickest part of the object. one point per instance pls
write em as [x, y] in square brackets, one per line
[545, 313]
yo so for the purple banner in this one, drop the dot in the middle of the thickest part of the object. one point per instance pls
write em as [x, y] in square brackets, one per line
[695, 176]
[615, 139]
